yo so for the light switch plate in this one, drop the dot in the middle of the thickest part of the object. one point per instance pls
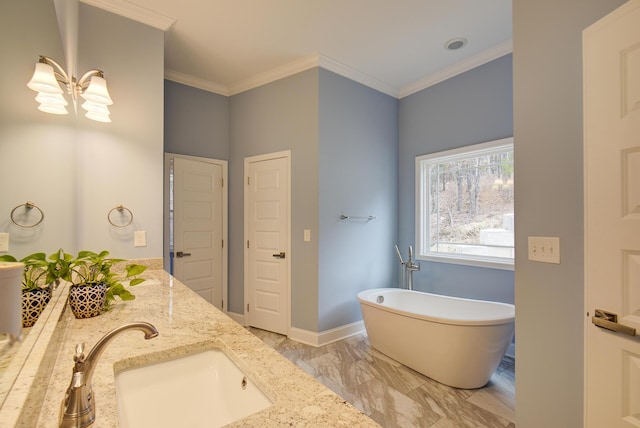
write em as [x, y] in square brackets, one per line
[4, 242]
[544, 249]
[307, 235]
[139, 238]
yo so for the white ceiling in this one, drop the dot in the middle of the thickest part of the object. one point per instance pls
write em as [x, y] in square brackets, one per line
[395, 46]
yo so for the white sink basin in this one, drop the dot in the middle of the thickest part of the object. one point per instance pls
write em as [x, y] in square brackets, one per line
[200, 390]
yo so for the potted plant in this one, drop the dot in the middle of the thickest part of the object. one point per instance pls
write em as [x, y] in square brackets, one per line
[40, 275]
[95, 285]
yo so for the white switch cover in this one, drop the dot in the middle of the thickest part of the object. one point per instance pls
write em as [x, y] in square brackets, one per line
[544, 249]
[4, 242]
[307, 235]
[139, 238]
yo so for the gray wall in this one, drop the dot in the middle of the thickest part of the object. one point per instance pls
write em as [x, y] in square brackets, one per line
[549, 202]
[343, 139]
[33, 144]
[121, 162]
[358, 153]
[75, 169]
[196, 122]
[281, 115]
[470, 108]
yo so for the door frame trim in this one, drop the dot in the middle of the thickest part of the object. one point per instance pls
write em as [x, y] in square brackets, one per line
[248, 160]
[168, 157]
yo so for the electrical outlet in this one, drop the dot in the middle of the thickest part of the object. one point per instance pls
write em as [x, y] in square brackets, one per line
[4, 242]
[139, 238]
[544, 249]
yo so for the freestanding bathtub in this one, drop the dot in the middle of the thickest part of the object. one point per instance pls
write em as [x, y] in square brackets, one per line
[457, 342]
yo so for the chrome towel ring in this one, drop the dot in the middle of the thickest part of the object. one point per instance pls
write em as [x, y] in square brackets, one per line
[28, 206]
[121, 209]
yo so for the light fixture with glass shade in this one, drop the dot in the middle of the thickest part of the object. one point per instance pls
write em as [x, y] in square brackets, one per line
[92, 87]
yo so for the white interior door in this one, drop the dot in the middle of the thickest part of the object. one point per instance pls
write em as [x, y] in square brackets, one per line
[612, 218]
[267, 247]
[198, 227]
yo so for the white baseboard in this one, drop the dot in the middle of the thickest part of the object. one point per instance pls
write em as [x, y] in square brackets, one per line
[327, 336]
[311, 337]
[239, 318]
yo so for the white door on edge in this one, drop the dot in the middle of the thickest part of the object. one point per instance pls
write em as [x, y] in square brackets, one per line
[612, 219]
[197, 219]
[267, 246]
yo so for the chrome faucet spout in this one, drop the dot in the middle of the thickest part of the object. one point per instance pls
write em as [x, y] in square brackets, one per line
[90, 362]
[78, 406]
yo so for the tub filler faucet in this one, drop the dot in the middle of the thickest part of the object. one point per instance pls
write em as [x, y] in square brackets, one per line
[78, 407]
[409, 268]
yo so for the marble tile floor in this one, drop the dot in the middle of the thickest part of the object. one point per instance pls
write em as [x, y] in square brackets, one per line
[396, 396]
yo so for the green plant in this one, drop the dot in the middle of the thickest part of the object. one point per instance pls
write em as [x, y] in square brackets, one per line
[90, 268]
[41, 271]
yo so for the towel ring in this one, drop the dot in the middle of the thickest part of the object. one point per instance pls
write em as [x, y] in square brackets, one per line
[27, 206]
[120, 208]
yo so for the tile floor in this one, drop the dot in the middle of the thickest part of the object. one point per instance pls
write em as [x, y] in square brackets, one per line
[396, 396]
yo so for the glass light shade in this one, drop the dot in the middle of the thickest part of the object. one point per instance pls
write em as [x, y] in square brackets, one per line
[97, 91]
[44, 80]
[53, 109]
[98, 117]
[90, 106]
[52, 99]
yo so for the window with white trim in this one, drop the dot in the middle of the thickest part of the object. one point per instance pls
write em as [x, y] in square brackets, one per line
[464, 205]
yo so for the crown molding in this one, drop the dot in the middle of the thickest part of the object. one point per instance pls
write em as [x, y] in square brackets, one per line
[135, 12]
[196, 82]
[357, 76]
[277, 73]
[319, 60]
[477, 60]
[306, 63]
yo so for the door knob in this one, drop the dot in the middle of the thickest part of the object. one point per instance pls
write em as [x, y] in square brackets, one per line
[181, 254]
[280, 255]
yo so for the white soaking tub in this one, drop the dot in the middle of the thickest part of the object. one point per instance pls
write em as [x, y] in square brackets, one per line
[457, 342]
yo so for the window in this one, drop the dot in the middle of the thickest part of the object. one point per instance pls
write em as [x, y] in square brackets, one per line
[464, 205]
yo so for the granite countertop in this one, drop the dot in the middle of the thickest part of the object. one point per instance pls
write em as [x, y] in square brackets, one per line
[188, 323]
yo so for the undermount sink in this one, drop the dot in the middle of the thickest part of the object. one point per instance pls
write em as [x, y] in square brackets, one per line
[205, 389]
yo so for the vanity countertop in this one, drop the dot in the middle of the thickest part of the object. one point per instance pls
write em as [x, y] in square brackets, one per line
[185, 321]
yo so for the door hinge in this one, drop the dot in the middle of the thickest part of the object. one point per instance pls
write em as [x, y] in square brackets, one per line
[247, 243]
[248, 181]
[223, 243]
[247, 307]
[222, 182]
[222, 304]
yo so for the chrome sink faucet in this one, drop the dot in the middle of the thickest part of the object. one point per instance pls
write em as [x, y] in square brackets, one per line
[78, 407]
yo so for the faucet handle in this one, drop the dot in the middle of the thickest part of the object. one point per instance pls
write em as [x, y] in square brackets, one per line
[79, 357]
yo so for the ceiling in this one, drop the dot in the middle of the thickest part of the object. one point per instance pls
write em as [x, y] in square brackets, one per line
[394, 46]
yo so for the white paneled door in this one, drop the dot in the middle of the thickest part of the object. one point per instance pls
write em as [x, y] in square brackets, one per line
[198, 227]
[267, 242]
[612, 219]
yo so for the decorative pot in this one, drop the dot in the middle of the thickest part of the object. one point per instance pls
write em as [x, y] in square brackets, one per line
[87, 301]
[33, 303]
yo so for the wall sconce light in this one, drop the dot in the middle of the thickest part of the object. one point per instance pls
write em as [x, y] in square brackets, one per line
[91, 87]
